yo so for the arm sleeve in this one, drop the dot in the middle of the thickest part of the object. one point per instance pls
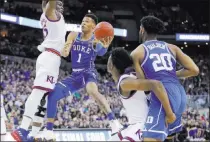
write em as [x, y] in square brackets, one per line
[100, 49]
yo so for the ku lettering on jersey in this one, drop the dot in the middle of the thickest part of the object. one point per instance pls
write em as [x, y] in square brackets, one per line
[160, 64]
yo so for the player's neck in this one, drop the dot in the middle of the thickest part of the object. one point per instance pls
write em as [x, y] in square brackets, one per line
[150, 37]
[116, 76]
[86, 36]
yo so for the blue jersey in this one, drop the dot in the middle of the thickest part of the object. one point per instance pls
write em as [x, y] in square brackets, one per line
[159, 63]
[83, 54]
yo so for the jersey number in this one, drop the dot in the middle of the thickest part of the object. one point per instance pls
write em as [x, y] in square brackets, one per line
[79, 58]
[161, 62]
[45, 32]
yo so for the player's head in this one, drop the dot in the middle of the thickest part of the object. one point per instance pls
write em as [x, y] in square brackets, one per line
[59, 6]
[89, 22]
[119, 61]
[150, 26]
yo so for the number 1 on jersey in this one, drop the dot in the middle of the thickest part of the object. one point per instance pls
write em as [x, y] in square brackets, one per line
[79, 58]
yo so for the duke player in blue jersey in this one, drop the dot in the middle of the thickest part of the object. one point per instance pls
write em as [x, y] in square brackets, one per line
[83, 48]
[157, 60]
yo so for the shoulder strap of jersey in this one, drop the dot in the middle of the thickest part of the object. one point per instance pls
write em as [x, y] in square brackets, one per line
[124, 76]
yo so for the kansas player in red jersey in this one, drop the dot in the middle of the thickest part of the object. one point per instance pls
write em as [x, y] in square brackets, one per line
[155, 59]
[47, 66]
[84, 49]
[131, 91]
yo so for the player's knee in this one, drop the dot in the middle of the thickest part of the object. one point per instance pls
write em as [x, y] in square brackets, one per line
[35, 98]
[58, 92]
[92, 89]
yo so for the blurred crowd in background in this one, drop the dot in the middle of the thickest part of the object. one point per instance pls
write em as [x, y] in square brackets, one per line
[79, 110]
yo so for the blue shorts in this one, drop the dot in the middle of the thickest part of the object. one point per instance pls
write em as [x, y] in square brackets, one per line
[77, 81]
[155, 126]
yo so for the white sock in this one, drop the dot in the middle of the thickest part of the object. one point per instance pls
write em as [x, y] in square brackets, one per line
[35, 129]
[31, 106]
[40, 120]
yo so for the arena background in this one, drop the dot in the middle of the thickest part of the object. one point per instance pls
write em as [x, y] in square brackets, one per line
[187, 24]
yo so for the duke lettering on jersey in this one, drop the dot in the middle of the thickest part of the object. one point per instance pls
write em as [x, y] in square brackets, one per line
[82, 48]
[159, 63]
[83, 54]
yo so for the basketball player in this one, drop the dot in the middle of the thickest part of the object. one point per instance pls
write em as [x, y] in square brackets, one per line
[134, 101]
[84, 49]
[157, 60]
[3, 117]
[47, 66]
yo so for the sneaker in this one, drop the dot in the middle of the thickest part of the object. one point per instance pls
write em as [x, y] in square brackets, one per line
[46, 135]
[20, 135]
[30, 139]
[115, 126]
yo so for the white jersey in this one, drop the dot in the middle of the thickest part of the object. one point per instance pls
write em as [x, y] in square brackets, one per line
[136, 105]
[54, 33]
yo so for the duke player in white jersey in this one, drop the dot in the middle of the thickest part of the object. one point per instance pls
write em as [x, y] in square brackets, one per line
[47, 67]
[131, 91]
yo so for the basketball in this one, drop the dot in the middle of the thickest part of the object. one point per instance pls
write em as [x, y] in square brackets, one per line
[103, 29]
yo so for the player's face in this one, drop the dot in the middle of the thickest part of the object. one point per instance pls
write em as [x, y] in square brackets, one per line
[141, 33]
[110, 65]
[87, 24]
[59, 6]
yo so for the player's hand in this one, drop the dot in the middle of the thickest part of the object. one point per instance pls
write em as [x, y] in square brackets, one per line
[106, 41]
[66, 48]
[95, 41]
[170, 118]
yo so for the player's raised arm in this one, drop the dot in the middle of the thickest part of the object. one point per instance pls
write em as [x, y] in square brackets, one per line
[44, 3]
[190, 68]
[130, 84]
[137, 56]
[50, 9]
[67, 47]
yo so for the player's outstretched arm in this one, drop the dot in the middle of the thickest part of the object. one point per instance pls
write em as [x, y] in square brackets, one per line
[50, 9]
[130, 84]
[137, 56]
[67, 47]
[44, 3]
[190, 68]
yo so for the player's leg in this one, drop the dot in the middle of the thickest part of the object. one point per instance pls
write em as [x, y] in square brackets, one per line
[176, 127]
[3, 118]
[31, 105]
[155, 127]
[62, 89]
[92, 89]
[46, 77]
[39, 117]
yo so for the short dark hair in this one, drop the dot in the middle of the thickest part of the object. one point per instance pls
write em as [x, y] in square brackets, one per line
[152, 24]
[121, 59]
[92, 16]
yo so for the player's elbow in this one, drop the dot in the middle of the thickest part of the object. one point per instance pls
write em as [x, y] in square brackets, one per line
[156, 85]
[195, 71]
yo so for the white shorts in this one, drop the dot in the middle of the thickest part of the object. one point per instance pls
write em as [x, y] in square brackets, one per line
[3, 126]
[132, 132]
[47, 71]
